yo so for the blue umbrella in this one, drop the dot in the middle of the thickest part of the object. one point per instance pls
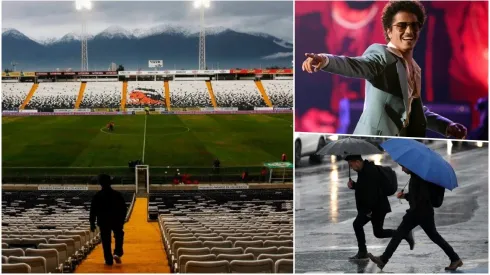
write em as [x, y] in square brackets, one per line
[422, 160]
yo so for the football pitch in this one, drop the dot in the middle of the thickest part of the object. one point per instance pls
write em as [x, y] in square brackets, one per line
[157, 140]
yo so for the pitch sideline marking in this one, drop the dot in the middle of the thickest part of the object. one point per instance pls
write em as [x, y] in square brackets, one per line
[144, 141]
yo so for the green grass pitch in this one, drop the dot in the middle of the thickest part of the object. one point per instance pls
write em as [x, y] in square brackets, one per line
[170, 140]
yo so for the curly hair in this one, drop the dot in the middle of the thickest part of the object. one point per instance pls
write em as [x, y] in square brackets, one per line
[393, 7]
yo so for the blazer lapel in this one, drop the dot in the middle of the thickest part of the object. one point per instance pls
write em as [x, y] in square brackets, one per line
[402, 77]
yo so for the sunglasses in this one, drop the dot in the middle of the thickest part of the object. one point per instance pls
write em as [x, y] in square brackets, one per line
[402, 26]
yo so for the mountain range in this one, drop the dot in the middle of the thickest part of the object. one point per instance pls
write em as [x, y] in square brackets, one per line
[176, 46]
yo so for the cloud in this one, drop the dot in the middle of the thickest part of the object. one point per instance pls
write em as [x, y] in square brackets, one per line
[277, 55]
[38, 19]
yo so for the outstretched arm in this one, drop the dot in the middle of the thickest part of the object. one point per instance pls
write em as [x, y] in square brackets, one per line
[369, 65]
[444, 126]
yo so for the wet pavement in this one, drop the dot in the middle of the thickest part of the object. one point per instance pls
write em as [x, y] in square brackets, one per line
[325, 210]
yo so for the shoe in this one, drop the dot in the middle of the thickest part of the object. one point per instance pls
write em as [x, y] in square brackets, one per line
[109, 263]
[377, 261]
[454, 265]
[410, 240]
[117, 259]
[359, 256]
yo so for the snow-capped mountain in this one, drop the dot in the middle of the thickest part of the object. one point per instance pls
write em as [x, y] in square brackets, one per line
[46, 40]
[120, 32]
[14, 33]
[115, 32]
[163, 28]
[176, 45]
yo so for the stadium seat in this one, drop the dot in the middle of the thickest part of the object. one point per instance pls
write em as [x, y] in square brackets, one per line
[284, 266]
[232, 257]
[275, 257]
[183, 259]
[16, 268]
[256, 266]
[278, 243]
[207, 267]
[246, 244]
[37, 264]
[13, 252]
[256, 251]
[222, 244]
[62, 253]
[285, 250]
[235, 239]
[51, 256]
[221, 250]
[212, 239]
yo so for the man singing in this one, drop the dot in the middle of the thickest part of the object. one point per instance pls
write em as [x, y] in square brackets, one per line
[393, 104]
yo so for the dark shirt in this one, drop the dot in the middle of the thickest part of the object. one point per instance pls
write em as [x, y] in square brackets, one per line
[419, 196]
[108, 208]
[368, 192]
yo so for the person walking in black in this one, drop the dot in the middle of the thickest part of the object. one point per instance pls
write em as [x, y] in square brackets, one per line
[216, 165]
[421, 212]
[372, 205]
[108, 209]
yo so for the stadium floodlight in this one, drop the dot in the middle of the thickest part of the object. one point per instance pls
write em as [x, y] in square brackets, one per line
[83, 6]
[202, 5]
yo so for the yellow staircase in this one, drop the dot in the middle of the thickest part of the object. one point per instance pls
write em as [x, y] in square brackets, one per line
[80, 95]
[211, 93]
[264, 94]
[167, 94]
[29, 96]
[123, 96]
[144, 252]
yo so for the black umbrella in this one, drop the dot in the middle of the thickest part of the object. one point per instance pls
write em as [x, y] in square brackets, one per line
[349, 146]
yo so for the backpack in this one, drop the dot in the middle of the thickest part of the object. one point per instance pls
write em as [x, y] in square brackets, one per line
[436, 195]
[389, 181]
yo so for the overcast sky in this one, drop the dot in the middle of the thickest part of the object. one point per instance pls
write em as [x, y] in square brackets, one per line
[48, 19]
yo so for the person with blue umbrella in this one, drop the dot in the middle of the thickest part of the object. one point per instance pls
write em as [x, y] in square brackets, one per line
[429, 175]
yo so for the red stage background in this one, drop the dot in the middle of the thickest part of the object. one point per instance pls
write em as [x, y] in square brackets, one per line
[452, 51]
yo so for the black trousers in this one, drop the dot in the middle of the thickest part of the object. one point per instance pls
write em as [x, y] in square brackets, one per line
[410, 221]
[377, 220]
[106, 237]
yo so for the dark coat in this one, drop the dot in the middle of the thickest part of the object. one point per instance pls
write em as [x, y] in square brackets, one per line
[419, 196]
[108, 208]
[368, 192]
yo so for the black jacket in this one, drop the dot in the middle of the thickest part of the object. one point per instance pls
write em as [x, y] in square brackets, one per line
[368, 192]
[419, 196]
[108, 208]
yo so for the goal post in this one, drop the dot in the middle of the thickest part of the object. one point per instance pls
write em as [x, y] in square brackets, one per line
[280, 171]
[142, 179]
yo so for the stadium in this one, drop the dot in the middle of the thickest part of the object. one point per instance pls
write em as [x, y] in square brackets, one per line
[201, 157]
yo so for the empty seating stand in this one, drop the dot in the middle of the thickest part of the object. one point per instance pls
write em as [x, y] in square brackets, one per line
[47, 231]
[225, 231]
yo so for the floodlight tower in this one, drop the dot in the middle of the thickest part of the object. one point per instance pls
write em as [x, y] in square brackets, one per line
[14, 64]
[202, 5]
[83, 6]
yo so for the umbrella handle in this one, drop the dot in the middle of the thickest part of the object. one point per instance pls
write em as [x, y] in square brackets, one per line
[401, 199]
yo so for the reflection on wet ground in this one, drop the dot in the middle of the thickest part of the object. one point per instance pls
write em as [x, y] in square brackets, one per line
[325, 210]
